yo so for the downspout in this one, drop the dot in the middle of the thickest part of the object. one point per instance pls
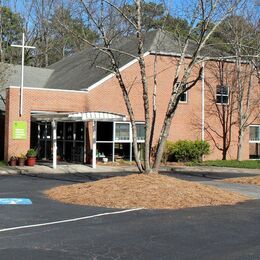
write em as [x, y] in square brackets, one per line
[203, 102]
[203, 105]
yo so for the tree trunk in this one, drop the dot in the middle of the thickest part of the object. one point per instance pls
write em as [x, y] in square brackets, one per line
[147, 167]
[1, 35]
[224, 154]
[224, 144]
[161, 143]
[240, 144]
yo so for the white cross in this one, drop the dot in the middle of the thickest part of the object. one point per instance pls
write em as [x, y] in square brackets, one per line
[22, 76]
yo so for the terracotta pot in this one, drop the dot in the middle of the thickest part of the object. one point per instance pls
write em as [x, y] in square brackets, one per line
[31, 161]
[13, 162]
[21, 161]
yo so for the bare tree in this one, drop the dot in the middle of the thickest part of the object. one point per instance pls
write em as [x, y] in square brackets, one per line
[203, 14]
[222, 106]
[41, 12]
[244, 40]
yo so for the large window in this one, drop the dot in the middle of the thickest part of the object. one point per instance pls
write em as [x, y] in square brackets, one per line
[254, 132]
[114, 140]
[122, 132]
[222, 95]
[105, 131]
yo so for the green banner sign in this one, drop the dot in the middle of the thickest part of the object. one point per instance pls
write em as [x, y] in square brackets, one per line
[19, 130]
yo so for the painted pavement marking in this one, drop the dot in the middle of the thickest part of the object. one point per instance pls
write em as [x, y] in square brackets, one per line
[15, 201]
[69, 220]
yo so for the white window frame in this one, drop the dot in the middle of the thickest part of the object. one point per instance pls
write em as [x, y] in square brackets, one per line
[119, 140]
[186, 93]
[254, 141]
[227, 95]
[130, 141]
[140, 140]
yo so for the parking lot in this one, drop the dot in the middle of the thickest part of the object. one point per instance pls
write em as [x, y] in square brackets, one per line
[228, 232]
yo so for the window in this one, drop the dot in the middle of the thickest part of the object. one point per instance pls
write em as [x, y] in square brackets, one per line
[140, 128]
[104, 131]
[122, 131]
[184, 96]
[254, 133]
[222, 95]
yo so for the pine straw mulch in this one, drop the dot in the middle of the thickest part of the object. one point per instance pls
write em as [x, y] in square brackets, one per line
[152, 191]
[245, 180]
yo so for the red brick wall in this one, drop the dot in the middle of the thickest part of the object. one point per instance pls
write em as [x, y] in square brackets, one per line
[108, 97]
[37, 100]
[186, 123]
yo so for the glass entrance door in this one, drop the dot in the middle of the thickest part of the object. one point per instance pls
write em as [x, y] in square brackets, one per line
[70, 141]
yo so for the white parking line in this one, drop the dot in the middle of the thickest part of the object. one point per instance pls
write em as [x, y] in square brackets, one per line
[69, 220]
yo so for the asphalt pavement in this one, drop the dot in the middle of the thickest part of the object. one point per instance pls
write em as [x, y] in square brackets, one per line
[225, 232]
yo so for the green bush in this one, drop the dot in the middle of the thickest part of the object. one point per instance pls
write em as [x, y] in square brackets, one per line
[167, 152]
[185, 150]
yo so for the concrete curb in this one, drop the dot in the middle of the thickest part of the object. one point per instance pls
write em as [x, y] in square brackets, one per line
[9, 171]
[214, 172]
[108, 172]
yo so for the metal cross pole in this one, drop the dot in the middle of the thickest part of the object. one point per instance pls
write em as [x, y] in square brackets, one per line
[22, 74]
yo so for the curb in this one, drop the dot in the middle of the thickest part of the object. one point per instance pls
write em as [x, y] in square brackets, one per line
[56, 176]
[9, 171]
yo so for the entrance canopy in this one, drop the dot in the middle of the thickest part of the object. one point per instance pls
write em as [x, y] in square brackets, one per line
[55, 117]
[82, 116]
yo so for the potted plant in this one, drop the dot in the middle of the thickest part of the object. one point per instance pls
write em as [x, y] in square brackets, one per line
[31, 157]
[21, 159]
[13, 161]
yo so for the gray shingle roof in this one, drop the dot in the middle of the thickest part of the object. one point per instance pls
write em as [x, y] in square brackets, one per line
[33, 77]
[80, 71]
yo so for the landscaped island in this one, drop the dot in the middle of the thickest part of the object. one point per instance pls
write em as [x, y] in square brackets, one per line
[152, 191]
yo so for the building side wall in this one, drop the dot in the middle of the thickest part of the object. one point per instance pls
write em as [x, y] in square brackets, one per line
[108, 97]
[36, 100]
[186, 123]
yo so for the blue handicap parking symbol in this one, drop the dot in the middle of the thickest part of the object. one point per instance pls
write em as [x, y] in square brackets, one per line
[15, 201]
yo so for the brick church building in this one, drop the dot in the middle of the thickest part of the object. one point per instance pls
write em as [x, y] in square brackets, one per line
[80, 107]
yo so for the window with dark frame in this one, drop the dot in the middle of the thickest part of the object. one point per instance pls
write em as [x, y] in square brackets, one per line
[222, 93]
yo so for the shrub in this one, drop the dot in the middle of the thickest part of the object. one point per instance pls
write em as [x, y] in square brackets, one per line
[167, 152]
[202, 148]
[185, 150]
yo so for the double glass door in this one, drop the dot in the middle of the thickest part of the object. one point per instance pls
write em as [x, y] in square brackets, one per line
[70, 141]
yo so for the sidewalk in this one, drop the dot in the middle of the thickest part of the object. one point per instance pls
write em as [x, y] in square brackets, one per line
[69, 172]
[214, 172]
[104, 171]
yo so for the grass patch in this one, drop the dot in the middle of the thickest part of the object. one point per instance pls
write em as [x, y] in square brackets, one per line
[2, 163]
[249, 164]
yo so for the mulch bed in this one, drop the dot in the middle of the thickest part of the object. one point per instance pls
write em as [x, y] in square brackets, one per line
[245, 180]
[152, 191]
